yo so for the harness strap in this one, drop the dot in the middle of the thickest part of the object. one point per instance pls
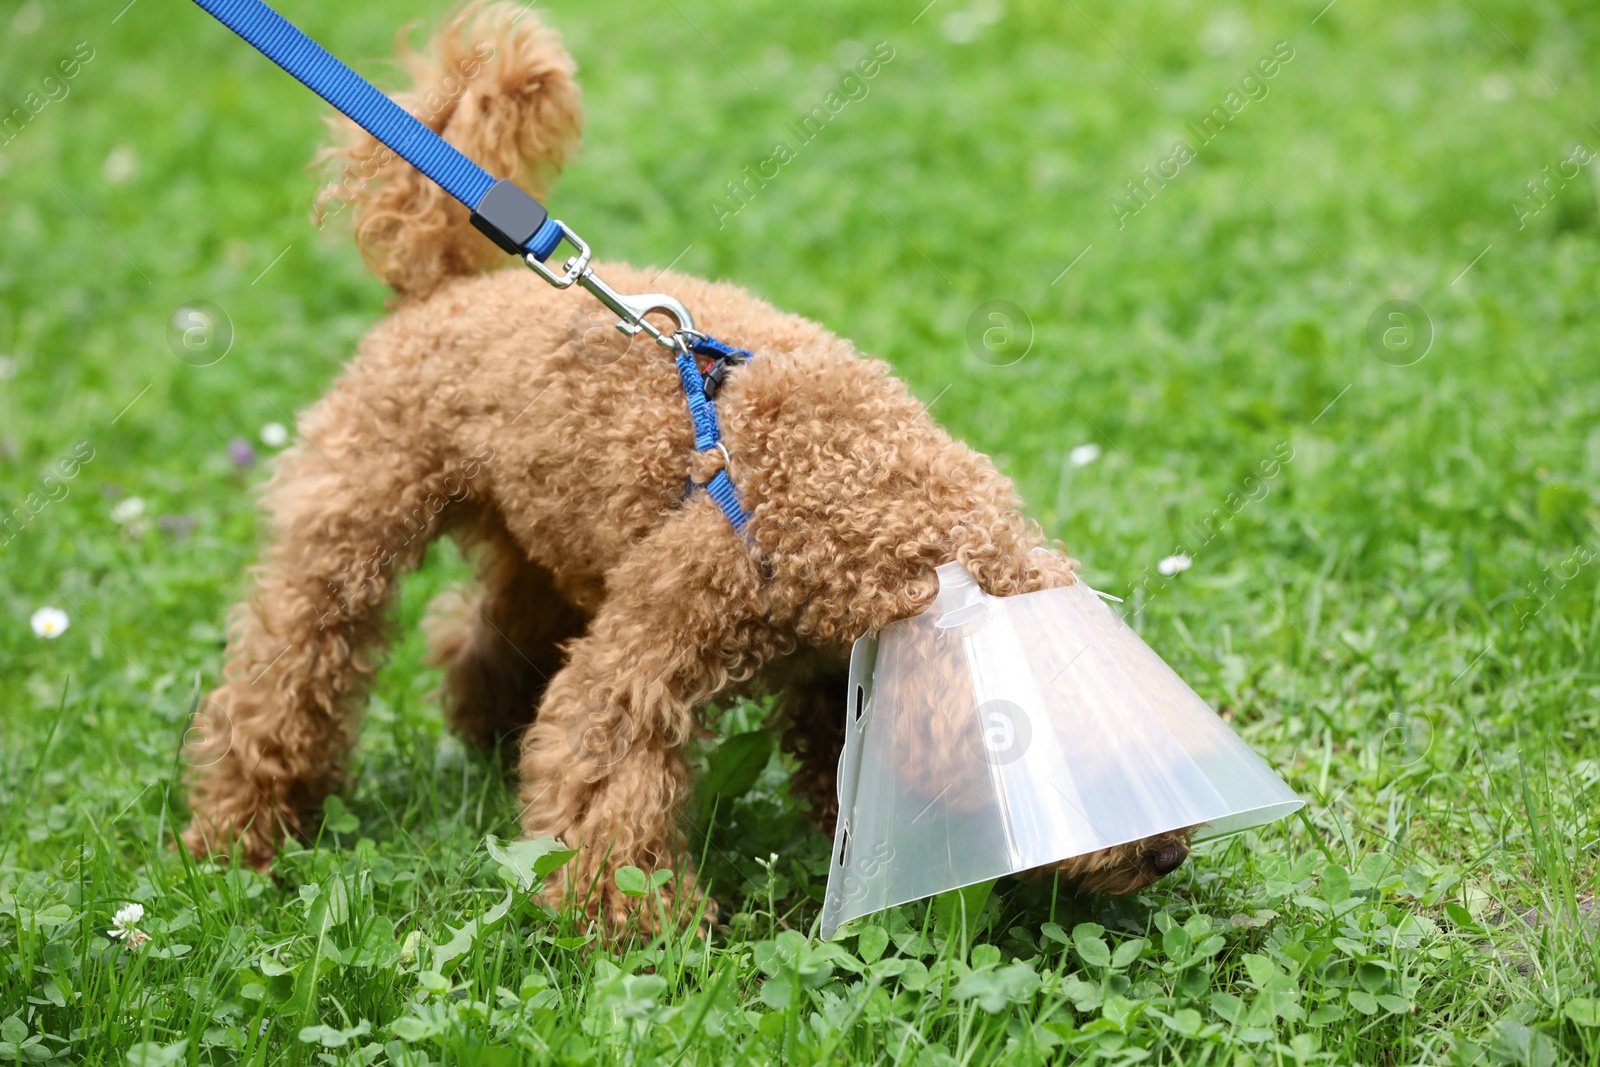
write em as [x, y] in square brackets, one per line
[511, 218]
[708, 434]
[710, 346]
[720, 489]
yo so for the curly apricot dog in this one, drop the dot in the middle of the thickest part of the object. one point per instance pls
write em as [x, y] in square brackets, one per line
[616, 605]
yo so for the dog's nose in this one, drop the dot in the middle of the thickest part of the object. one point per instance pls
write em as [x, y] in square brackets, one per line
[1168, 859]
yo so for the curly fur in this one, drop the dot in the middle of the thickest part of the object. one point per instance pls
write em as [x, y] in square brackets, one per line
[495, 85]
[614, 607]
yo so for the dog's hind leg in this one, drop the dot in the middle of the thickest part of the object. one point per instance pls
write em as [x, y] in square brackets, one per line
[350, 508]
[500, 650]
[603, 763]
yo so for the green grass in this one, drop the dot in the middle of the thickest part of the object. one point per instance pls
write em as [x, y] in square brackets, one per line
[1402, 618]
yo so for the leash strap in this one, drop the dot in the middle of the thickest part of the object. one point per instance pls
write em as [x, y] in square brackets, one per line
[510, 217]
[505, 213]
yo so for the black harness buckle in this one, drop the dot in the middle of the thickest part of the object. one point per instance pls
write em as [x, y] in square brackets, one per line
[717, 371]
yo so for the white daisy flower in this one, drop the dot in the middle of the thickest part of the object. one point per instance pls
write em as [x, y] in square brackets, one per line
[128, 510]
[1172, 565]
[49, 623]
[1083, 455]
[274, 435]
[125, 925]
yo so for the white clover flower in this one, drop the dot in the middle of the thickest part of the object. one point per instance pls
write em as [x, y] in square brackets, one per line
[1172, 565]
[963, 27]
[126, 918]
[128, 510]
[274, 435]
[1498, 88]
[26, 22]
[49, 623]
[125, 925]
[960, 27]
[120, 165]
[1083, 455]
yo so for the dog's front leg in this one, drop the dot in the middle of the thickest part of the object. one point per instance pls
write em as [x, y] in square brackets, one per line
[603, 764]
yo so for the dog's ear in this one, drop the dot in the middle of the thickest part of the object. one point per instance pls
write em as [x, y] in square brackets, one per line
[498, 85]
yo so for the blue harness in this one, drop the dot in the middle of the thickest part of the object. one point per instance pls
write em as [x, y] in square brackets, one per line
[503, 211]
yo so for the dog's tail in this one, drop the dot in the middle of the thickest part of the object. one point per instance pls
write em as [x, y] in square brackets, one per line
[499, 86]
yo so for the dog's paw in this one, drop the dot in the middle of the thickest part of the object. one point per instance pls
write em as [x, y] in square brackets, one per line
[616, 913]
[1127, 868]
[203, 840]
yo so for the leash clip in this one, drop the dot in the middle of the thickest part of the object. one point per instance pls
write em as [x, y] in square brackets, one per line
[630, 310]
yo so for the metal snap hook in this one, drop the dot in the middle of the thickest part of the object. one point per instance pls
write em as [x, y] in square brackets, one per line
[631, 310]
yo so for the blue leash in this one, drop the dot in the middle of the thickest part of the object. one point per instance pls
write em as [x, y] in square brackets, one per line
[503, 211]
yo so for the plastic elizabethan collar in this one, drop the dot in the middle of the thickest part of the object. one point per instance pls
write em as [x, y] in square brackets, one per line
[991, 735]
